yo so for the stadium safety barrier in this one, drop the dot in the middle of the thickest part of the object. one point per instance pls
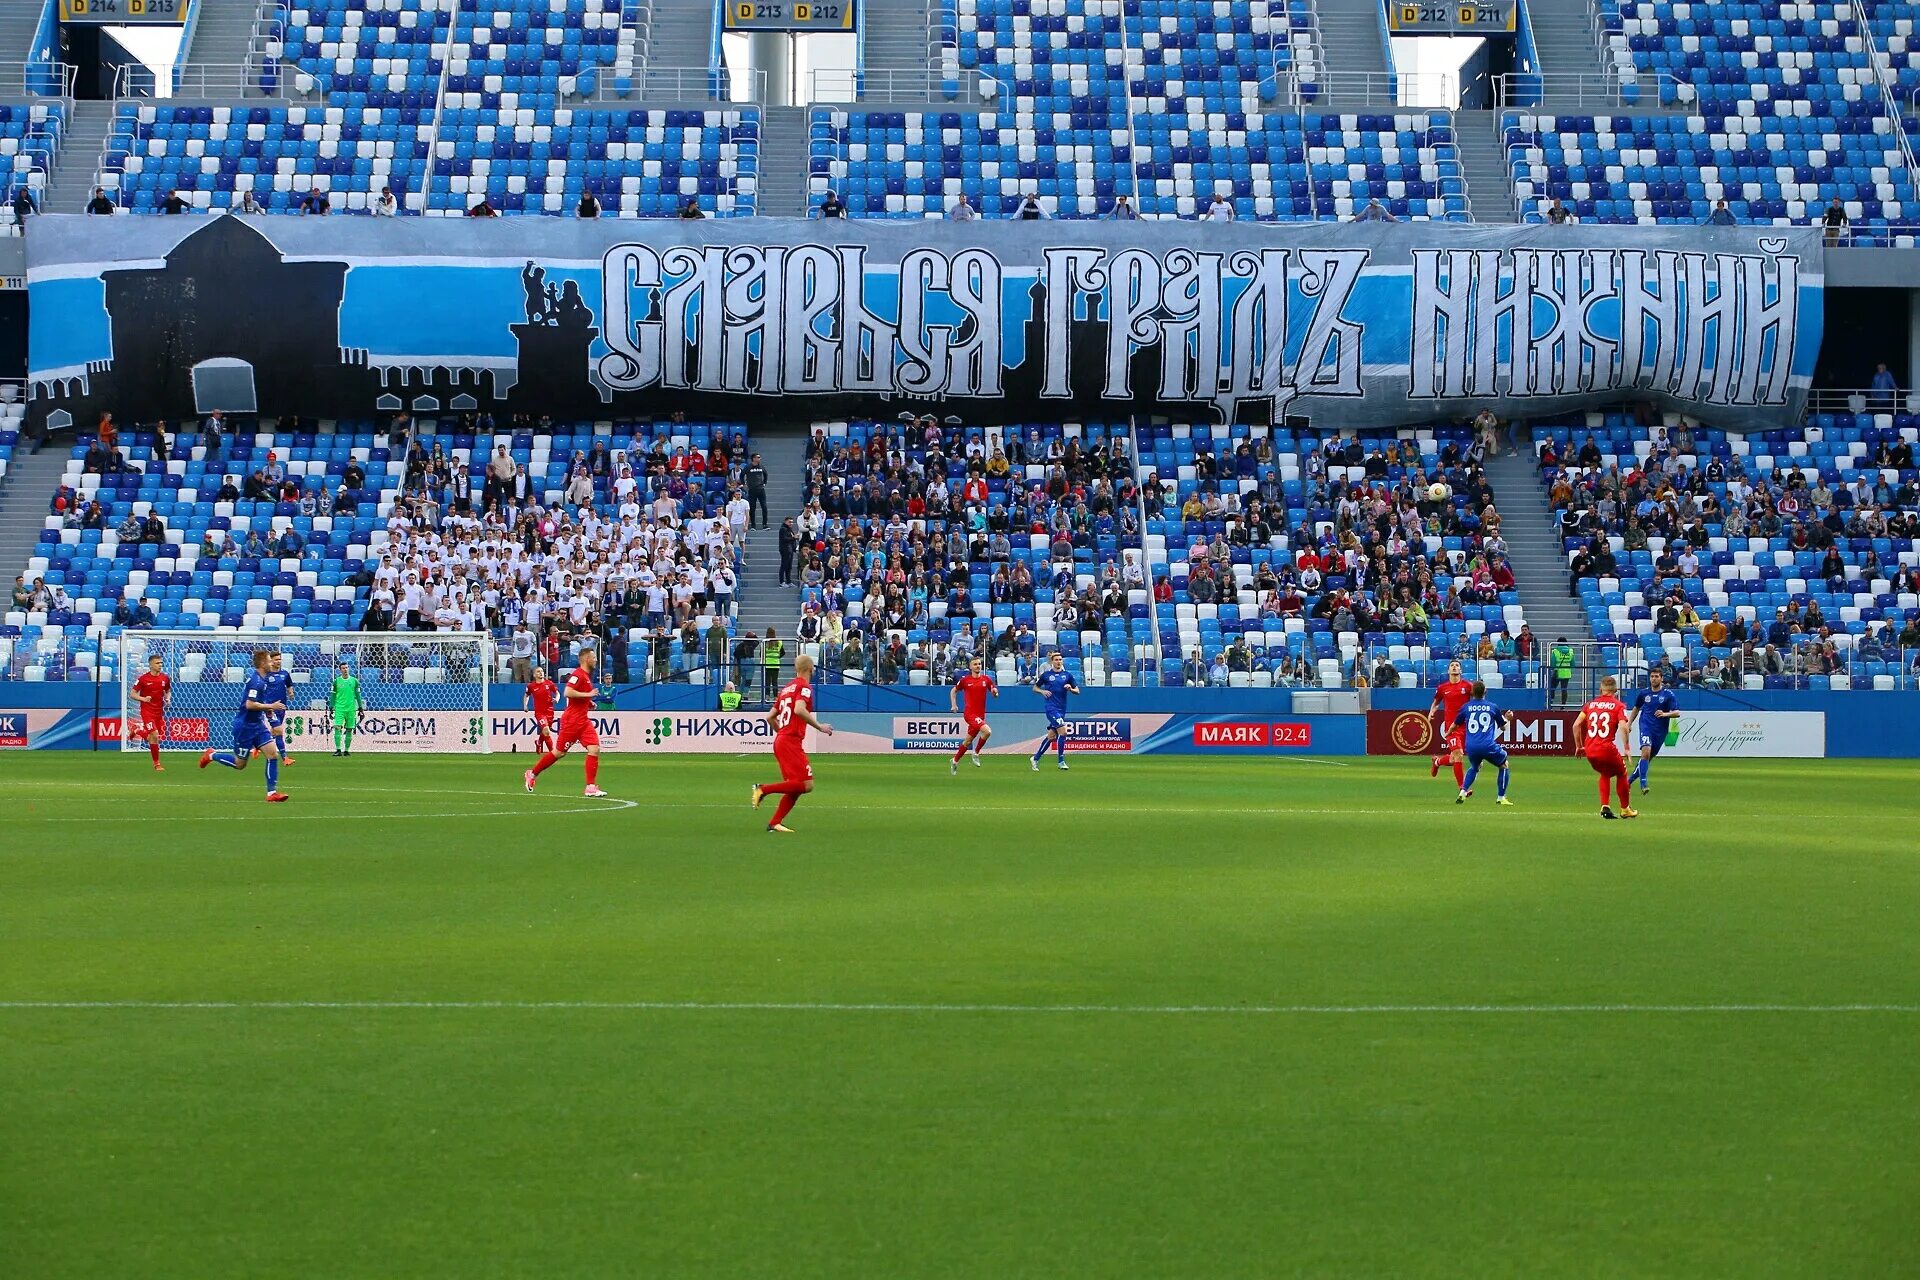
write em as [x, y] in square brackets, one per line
[1770, 724]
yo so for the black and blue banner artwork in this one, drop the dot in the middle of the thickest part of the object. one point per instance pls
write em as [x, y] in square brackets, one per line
[1349, 325]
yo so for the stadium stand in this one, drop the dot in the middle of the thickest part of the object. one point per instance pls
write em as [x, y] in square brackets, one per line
[923, 545]
[1772, 560]
[1300, 558]
[1278, 168]
[302, 530]
[1161, 101]
[213, 155]
[508, 118]
[1783, 113]
[29, 141]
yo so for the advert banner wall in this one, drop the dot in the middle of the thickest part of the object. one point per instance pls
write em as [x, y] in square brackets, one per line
[1748, 735]
[1350, 324]
[1412, 733]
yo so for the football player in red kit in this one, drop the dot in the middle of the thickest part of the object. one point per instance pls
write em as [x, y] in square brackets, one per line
[151, 691]
[1596, 732]
[576, 725]
[973, 687]
[539, 700]
[791, 717]
[1447, 701]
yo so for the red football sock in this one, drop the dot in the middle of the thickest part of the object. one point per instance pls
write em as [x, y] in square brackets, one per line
[960, 750]
[780, 789]
[544, 763]
[1604, 781]
[593, 769]
[1621, 781]
[153, 749]
[1459, 775]
[787, 801]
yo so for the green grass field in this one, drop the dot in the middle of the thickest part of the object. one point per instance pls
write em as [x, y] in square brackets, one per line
[1153, 1017]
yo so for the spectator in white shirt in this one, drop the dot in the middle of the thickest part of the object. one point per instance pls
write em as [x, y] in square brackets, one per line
[961, 211]
[384, 205]
[1221, 210]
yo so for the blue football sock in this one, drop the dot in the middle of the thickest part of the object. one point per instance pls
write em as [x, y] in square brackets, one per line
[1473, 771]
[1503, 782]
[226, 758]
[1060, 747]
[1042, 751]
[273, 774]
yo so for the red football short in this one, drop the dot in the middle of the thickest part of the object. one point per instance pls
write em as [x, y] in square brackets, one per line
[1606, 761]
[792, 759]
[584, 734]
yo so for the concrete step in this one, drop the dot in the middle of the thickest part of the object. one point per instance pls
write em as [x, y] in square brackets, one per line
[223, 36]
[1533, 548]
[783, 162]
[24, 495]
[1483, 162]
[71, 183]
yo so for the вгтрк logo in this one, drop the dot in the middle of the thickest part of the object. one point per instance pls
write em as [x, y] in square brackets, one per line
[1412, 732]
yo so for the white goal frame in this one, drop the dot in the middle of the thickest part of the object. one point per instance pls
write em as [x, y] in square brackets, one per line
[403, 714]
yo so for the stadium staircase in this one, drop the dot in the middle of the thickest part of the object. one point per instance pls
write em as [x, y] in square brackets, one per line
[766, 603]
[680, 34]
[1533, 549]
[1483, 162]
[223, 36]
[1350, 41]
[71, 183]
[895, 39]
[30, 481]
[1563, 36]
[18, 21]
[783, 162]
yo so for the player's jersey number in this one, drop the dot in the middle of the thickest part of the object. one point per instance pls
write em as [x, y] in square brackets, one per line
[1480, 725]
[1601, 725]
[783, 714]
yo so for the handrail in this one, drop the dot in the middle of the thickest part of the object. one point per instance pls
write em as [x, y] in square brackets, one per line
[1844, 399]
[687, 84]
[850, 85]
[439, 109]
[192, 80]
[1357, 88]
[269, 17]
[1128, 47]
[1882, 78]
[28, 78]
[1551, 92]
[1146, 563]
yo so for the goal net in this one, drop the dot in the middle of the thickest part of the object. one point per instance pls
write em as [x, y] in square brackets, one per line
[418, 691]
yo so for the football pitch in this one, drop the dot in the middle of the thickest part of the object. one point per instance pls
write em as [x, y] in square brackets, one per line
[1164, 1016]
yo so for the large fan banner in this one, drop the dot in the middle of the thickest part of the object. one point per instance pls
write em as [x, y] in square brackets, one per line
[1348, 325]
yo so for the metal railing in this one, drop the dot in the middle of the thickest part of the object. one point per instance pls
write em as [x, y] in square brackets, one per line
[37, 79]
[1861, 400]
[1551, 92]
[827, 85]
[1410, 89]
[1888, 99]
[132, 80]
[650, 85]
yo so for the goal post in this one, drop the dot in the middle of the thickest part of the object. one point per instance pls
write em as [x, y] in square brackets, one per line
[420, 691]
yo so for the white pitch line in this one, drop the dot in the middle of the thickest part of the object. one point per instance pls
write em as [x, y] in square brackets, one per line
[829, 806]
[770, 1006]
